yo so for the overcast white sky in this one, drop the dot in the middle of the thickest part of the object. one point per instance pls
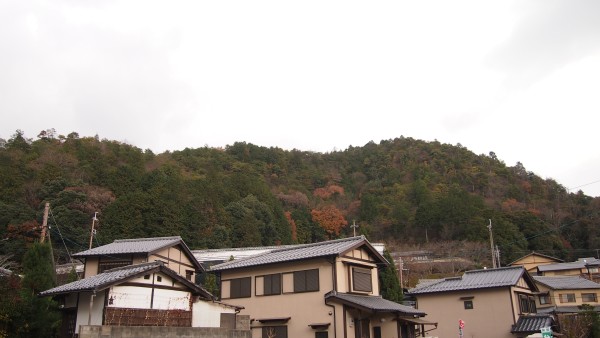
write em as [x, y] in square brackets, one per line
[520, 78]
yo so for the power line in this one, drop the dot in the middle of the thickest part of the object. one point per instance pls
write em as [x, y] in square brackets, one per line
[583, 185]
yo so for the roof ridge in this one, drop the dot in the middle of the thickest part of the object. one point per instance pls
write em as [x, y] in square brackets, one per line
[495, 269]
[307, 245]
[146, 239]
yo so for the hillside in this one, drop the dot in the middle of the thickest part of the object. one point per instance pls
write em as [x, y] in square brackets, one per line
[401, 191]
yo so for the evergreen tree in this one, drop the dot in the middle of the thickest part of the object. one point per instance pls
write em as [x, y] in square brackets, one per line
[38, 317]
[388, 280]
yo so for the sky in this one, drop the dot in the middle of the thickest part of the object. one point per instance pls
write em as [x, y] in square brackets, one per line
[519, 78]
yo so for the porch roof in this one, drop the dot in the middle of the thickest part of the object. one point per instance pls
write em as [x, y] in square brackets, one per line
[531, 323]
[373, 303]
[119, 275]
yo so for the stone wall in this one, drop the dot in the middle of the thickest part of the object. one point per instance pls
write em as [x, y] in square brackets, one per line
[159, 332]
[96, 331]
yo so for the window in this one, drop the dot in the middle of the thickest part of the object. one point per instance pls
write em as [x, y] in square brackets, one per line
[306, 280]
[189, 274]
[527, 304]
[468, 305]
[567, 297]
[274, 332]
[107, 263]
[544, 299]
[146, 276]
[589, 297]
[158, 278]
[322, 334]
[272, 284]
[361, 280]
[240, 287]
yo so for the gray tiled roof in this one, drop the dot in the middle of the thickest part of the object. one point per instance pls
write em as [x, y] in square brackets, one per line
[564, 309]
[476, 279]
[374, 303]
[578, 264]
[131, 246]
[531, 323]
[103, 280]
[566, 282]
[118, 275]
[300, 252]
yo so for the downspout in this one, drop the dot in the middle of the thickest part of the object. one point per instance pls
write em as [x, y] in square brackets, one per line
[334, 276]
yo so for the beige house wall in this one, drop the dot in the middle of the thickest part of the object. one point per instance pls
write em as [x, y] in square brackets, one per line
[304, 308]
[176, 260]
[492, 315]
[569, 272]
[84, 307]
[554, 297]
[91, 267]
[531, 262]
[307, 307]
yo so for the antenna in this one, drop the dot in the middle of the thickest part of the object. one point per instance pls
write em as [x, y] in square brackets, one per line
[354, 226]
[93, 232]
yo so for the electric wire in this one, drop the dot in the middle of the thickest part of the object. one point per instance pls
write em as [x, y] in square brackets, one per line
[61, 236]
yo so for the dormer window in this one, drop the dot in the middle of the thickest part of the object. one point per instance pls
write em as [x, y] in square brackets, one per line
[361, 280]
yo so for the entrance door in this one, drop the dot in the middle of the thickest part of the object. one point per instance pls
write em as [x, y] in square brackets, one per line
[377, 332]
[361, 328]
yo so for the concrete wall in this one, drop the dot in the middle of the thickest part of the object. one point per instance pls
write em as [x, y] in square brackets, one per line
[159, 332]
[208, 314]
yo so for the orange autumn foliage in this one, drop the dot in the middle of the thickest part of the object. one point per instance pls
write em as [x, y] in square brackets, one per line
[329, 218]
[293, 227]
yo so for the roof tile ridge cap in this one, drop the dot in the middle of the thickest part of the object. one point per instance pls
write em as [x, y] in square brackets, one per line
[306, 245]
[147, 239]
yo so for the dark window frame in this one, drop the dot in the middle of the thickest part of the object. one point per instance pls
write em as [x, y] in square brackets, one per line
[272, 284]
[468, 304]
[593, 294]
[568, 298]
[362, 279]
[306, 280]
[240, 287]
[281, 331]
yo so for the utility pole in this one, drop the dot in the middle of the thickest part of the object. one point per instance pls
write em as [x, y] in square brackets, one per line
[498, 257]
[93, 229]
[354, 226]
[400, 267]
[45, 223]
[492, 245]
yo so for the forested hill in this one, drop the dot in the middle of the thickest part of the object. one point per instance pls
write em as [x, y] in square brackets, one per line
[402, 190]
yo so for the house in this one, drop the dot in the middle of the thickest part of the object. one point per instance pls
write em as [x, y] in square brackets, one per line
[565, 294]
[326, 289]
[531, 261]
[585, 267]
[490, 303]
[139, 282]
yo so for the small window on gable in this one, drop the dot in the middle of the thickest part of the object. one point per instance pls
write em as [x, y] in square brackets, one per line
[189, 274]
[146, 276]
[468, 304]
[544, 299]
[158, 278]
[361, 280]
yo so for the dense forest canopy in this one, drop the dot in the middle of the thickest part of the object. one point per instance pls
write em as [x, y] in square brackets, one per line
[398, 191]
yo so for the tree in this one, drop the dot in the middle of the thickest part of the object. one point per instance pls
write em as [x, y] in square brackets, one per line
[38, 316]
[329, 218]
[388, 280]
